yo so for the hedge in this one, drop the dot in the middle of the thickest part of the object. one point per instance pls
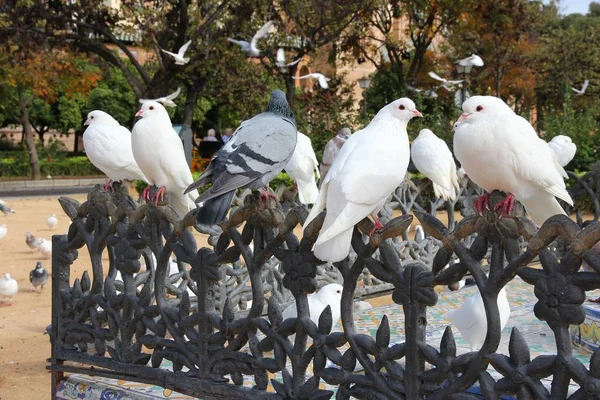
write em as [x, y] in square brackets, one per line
[73, 166]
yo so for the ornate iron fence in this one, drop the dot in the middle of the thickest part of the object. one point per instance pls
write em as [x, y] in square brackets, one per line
[201, 319]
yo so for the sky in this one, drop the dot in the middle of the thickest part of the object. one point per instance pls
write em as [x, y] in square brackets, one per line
[574, 6]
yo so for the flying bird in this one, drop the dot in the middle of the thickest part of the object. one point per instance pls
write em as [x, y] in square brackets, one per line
[385, 55]
[332, 149]
[258, 150]
[500, 150]
[471, 320]
[473, 60]
[583, 88]
[280, 61]
[166, 101]
[108, 146]
[158, 151]
[433, 158]
[372, 163]
[6, 209]
[38, 277]
[329, 295]
[302, 167]
[429, 93]
[3, 231]
[564, 148]
[250, 48]
[179, 57]
[44, 246]
[322, 79]
[447, 84]
[52, 221]
[8, 289]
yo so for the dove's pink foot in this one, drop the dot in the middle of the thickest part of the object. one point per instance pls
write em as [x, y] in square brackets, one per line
[109, 186]
[146, 193]
[507, 205]
[481, 202]
[265, 195]
[378, 226]
[160, 194]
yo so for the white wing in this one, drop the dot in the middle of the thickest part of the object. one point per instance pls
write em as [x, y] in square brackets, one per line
[281, 56]
[184, 48]
[307, 76]
[262, 32]
[169, 53]
[436, 76]
[323, 81]
[174, 95]
[385, 55]
[585, 85]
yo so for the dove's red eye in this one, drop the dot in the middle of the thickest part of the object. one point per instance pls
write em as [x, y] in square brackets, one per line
[479, 108]
[401, 107]
[151, 107]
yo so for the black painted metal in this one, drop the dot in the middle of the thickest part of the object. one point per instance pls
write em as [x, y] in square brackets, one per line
[214, 338]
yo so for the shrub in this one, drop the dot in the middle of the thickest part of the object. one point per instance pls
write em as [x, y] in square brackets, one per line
[73, 166]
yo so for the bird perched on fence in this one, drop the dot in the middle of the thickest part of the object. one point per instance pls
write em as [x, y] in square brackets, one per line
[180, 58]
[44, 246]
[3, 231]
[302, 167]
[158, 151]
[30, 241]
[500, 150]
[470, 319]
[108, 146]
[6, 209]
[372, 163]
[564, 148]
[52, 221]
[250, 48]
[329, 295]
[332, 149]
[38, 277]
[8, 289]
[258, 150]
[433, 158]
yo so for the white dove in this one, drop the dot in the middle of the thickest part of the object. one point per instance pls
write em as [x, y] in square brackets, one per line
[564, 148]
[368, 168]
[322, 79]
[179, 57]
[159, 153]
[385, 55]
[52, 221]
[429, 93]
[433, 158]
[167, 101]
[108, 146]
[44, 246]
[583, 88]
[280, 61]
[447, 84]
[329, 295]
[250, 48]
[473, 60]
[470, 319]
[500, 150]
[302, 167]
[8, 289]
[3, 231]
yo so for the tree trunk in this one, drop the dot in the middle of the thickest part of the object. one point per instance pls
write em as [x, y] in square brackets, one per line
[34, 160]
[290, 88]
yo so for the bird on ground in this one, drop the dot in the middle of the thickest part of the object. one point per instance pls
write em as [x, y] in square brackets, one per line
[30, 240]
[370, 166]
[44, 246]
[6, 209]
[8, 289]
[322, 79]
[158, 151]
[362, 306]
[433, 158]
[250, 48]
[38, 277]
[332, 149]
[564, 148]
[583, 88]
[473, 60]
[179, 57]
[447, 84]
[500, 150]
[471, 320]
[258, 150]
[329, 295]
[385, 54]
[3, 231]
[108, 146]
[302, 167]
[166, 101]
[280, 61]
[52, 221]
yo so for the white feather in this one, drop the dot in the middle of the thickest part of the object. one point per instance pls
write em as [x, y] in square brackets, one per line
[302, 168]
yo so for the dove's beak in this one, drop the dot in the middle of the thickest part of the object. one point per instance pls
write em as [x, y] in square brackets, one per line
[86, 123]
[139, 113]
[417, 113]
[463, 116]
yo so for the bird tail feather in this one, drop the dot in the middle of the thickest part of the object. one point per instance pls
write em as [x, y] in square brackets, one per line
[541, 207]
[308, 191]
[215, 210]
[336, 248]
[181, 203]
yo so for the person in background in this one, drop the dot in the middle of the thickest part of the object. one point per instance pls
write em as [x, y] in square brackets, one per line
[227, 135]
[211, 136]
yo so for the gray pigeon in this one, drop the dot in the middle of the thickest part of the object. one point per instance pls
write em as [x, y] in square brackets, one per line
[38, 277]
[31, 241]
[332, 149]
[6, 209]
[257, 151]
